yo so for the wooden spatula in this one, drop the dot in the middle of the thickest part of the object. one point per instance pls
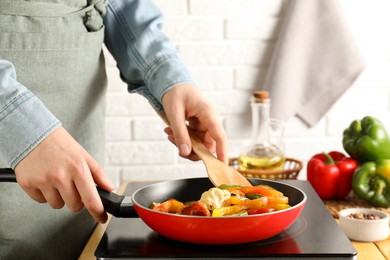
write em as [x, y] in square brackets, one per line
[218, 172]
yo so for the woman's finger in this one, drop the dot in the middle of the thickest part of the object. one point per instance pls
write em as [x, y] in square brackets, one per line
[71, 197]
[53, 197]
[35, 194]
[89, 195]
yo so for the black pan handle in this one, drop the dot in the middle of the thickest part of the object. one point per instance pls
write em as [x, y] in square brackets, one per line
[7, 175]
[116, 205]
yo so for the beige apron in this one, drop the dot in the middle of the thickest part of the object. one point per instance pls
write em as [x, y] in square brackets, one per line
[56, 48]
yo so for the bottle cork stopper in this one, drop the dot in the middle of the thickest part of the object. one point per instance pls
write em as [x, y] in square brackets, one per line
[261, 96]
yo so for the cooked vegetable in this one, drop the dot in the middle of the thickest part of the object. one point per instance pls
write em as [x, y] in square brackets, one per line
[196, 209]
[229, 187]
[229, 210]
[259, 211]
[229, 200]
[215, 198]
[262, 190]
[169, 206]
[250, 204]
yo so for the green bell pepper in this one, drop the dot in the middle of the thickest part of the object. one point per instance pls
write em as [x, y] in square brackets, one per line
[371, 182]
[366, 140]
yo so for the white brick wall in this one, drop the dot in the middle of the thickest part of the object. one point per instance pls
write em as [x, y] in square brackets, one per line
[227, 45]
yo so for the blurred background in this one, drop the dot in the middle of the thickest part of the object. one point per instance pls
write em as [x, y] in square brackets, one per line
[227, 45]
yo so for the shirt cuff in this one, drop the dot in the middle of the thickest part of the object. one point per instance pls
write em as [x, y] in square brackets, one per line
[24, 123]
[165, 73]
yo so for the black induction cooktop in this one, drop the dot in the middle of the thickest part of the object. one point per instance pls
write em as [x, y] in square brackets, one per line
[315, 234]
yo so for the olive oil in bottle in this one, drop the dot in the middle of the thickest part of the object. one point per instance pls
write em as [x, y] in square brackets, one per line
[262, 153]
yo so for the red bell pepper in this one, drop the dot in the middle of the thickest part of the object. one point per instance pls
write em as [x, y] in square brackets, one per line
[331, 174]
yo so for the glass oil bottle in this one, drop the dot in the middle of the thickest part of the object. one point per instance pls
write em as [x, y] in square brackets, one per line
[262, 154]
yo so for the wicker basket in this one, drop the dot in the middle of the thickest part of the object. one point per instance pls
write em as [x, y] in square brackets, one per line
[290, 170]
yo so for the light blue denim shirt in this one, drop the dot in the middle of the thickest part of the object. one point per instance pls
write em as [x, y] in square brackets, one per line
[147, 60]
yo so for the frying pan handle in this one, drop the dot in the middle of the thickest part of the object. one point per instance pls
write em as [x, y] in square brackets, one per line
[7, 175]
[118, 206]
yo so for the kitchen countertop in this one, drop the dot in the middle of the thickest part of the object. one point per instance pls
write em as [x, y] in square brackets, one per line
[376, 250]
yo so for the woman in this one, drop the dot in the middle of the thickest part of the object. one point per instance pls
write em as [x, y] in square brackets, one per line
[52, 88]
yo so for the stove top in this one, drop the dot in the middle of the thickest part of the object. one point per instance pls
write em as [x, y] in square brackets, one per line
[314, 234]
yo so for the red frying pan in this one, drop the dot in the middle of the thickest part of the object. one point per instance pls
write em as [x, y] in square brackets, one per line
[198, 229]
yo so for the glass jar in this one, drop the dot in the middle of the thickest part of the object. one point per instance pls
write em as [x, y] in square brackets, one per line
[264, 152]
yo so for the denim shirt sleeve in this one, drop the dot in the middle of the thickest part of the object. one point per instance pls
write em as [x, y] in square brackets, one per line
[24, 120]
[147, 60]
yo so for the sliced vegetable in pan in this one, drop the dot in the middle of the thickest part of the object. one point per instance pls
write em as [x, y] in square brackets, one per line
[228, 200]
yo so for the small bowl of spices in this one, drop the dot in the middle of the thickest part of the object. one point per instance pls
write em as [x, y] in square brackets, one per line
[364, 224]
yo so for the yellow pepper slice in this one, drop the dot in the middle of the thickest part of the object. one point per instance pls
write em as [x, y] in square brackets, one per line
[279, 206]
[252, 204]
[229, 210]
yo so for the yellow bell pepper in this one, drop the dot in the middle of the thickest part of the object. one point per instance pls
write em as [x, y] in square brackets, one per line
[229, 210]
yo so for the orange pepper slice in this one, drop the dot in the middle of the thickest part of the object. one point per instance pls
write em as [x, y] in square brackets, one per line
[277, 200]
[169, 206]
[252, 204]
[263, 190]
